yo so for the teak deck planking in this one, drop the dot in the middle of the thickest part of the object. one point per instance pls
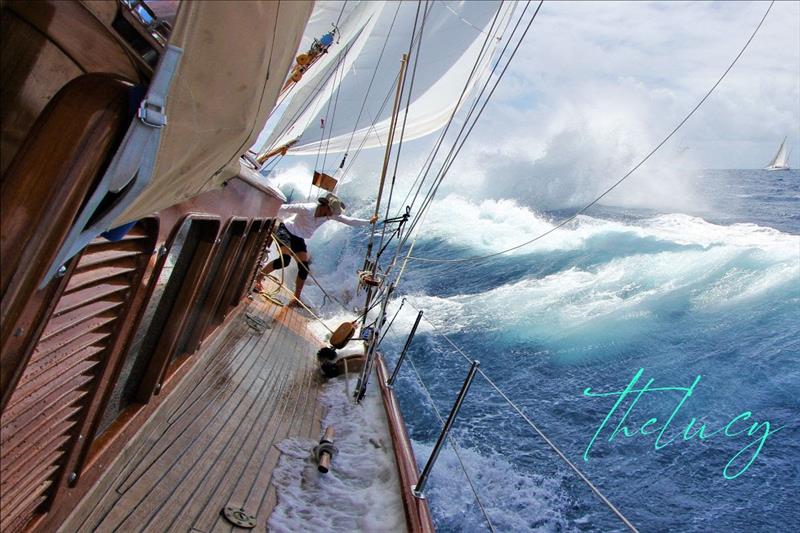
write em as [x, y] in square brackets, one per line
[211, 444]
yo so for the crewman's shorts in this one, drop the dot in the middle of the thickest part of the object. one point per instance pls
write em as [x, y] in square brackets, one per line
[295, 243]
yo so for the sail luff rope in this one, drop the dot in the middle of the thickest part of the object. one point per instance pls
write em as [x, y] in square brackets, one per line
[454, 444]
[274, 32]
[623, 178]
[533, 426]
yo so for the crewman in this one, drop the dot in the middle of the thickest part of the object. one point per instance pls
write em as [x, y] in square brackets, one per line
[299, 222]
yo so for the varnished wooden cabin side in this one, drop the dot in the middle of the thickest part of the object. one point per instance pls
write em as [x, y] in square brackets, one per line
[89, 355]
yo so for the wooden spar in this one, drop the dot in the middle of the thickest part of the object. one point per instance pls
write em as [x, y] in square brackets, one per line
[384, 170]
[325, 456]
[281, 150]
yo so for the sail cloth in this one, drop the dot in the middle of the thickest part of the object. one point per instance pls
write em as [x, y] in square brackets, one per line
[454, 35]
[781, 159]
[311, 93]
[226, 84]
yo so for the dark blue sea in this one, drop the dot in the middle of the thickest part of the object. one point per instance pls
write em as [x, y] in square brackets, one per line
[709, 297]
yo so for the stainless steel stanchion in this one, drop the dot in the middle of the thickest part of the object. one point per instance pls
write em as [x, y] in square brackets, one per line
[419, 488]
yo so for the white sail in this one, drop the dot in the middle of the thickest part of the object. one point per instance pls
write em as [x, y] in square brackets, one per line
[781, 159]
[454, 36]
[315, 87]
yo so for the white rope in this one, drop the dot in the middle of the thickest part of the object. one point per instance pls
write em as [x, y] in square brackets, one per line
[533, 426]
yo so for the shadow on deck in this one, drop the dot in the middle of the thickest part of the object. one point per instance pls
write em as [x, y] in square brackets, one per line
[211, 444]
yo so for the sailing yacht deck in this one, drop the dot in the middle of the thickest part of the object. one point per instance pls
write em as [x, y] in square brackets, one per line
[211, 444]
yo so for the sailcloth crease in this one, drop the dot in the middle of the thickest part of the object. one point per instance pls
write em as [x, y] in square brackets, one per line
[452, 44]
[312, 92]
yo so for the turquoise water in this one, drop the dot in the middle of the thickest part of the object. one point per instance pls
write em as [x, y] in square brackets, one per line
[714, 294]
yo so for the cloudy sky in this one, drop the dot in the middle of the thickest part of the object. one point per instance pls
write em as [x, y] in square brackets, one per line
[597, 84]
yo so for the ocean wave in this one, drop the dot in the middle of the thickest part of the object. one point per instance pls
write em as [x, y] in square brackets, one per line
[514, 500]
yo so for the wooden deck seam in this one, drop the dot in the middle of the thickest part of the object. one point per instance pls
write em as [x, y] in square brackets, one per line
[122, 488]
[260, 403]
[269, 402]
[217, 442]
[225, 407]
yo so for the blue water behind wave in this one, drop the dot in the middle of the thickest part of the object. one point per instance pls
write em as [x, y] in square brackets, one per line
[714, 294]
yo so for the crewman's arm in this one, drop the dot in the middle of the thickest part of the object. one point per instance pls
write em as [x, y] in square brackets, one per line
[353, 221]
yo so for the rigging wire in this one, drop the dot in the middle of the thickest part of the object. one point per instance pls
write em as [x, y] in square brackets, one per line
[454, 444]
[533, 426]
[620, 180]
[316, 281]
[453, 153]
[456, 148]
[440, 140]
[340, 15]
[308, 99]
[372, 80]
[484, 49]
[333, 117]
[405, 114]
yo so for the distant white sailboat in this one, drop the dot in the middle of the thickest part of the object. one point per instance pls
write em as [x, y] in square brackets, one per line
[781, 159]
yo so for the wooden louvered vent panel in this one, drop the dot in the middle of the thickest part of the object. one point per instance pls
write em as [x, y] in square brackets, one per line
[41, 420]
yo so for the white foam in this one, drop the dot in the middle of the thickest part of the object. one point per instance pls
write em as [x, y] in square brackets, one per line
[360, 492]
[493, 225]
[515, 499]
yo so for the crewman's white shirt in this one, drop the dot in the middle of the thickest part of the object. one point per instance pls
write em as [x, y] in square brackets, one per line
[299, 219]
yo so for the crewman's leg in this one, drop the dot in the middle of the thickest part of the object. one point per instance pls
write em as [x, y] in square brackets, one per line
[281, 262]
[304, 263]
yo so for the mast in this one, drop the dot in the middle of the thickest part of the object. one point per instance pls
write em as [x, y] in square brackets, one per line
[387, 155]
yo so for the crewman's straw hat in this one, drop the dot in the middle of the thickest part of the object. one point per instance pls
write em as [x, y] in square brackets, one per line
[332, 201]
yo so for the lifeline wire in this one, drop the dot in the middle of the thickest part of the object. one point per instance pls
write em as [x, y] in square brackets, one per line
[453, 444]
[533, 426]
[623, 178]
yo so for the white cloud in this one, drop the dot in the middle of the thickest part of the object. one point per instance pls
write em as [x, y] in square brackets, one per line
[596, 85]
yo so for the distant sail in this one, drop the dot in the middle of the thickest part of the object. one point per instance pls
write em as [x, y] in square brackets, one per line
[451, 46]
[781, 159]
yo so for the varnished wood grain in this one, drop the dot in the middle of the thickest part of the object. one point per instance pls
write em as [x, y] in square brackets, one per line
[211, 444]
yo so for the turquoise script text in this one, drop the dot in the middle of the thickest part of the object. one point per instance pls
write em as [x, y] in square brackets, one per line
[736, 427]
